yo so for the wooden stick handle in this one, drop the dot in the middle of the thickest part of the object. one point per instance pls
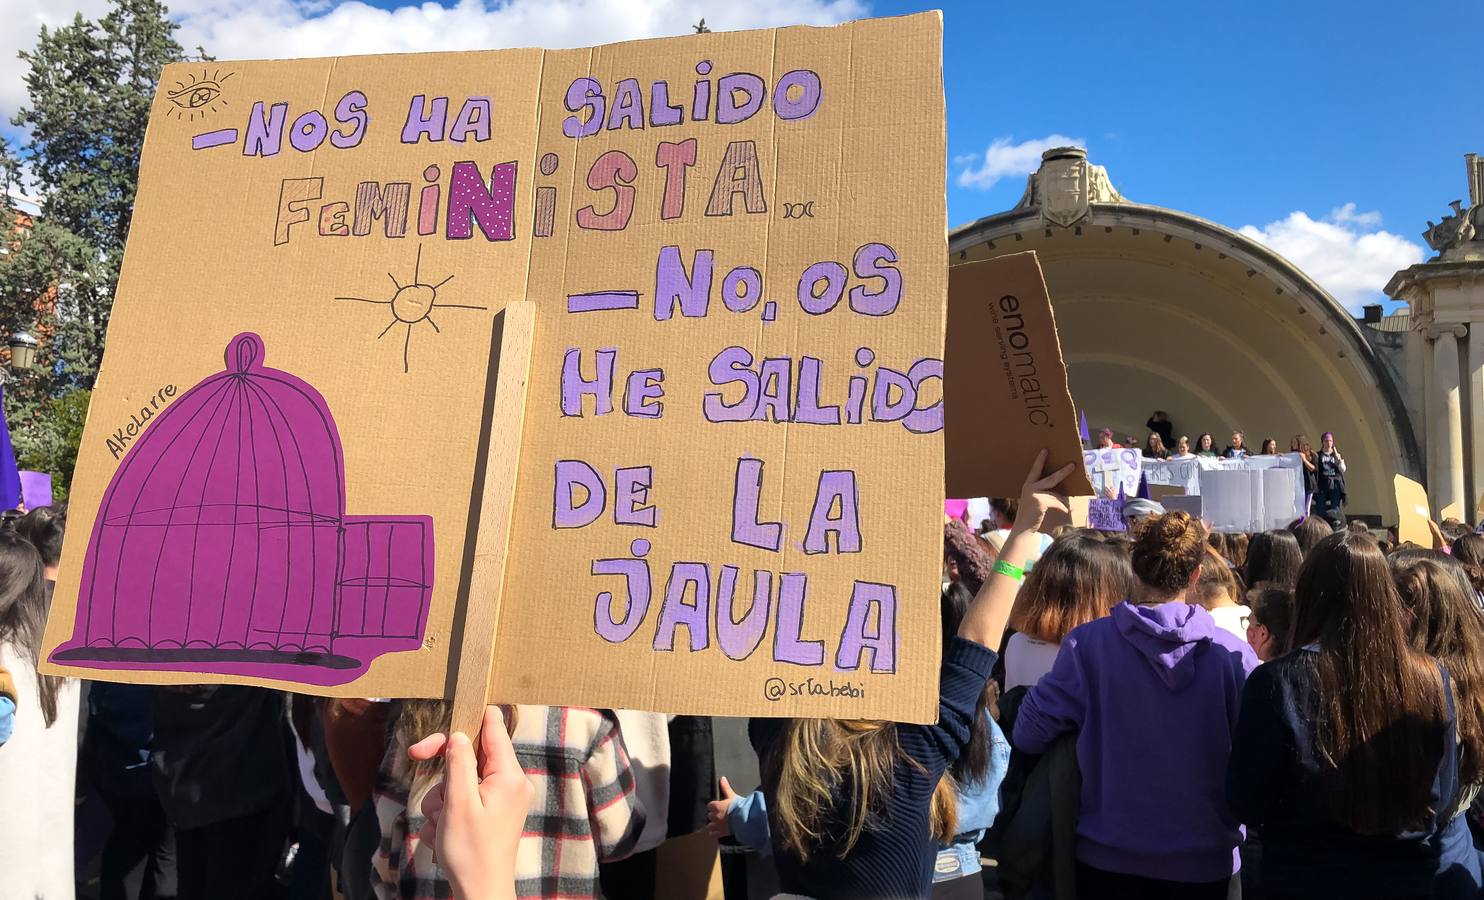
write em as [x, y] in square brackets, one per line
[501, 464]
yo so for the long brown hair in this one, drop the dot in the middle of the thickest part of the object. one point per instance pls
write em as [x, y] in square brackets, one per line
[1274, 556]
[972, 765]
[1309, 531]
[1236, 550]
[1379, 718]
[23, 606]
[816, 759]
[1446, 625]
[1216, 580]
[1469, 550]
[1079, 578]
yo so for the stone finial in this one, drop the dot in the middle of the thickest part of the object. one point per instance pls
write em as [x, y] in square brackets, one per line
[1066, 186]
[1457, 237]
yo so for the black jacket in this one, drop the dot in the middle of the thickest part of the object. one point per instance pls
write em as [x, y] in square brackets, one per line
[220, 752]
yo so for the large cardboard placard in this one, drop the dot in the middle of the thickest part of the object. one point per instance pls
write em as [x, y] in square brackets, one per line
[1412, 512]
[731, 471]
[1005, 392]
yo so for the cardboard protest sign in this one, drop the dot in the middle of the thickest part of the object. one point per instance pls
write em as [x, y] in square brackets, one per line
[1005, 386]
[1106, 514]
[731, 467]
[1412, 512]
[1453, 510]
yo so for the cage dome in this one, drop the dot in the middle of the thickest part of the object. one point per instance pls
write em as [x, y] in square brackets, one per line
[222, 543]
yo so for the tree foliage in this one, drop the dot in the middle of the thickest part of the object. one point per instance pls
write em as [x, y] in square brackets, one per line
[89, 86]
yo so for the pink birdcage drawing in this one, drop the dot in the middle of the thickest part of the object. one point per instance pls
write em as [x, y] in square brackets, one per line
[222, 545]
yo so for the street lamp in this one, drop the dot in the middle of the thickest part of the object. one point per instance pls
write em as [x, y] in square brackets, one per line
[22, 351]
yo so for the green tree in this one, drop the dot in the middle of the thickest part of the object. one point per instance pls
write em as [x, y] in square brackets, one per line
[89, 86]
[50, 442]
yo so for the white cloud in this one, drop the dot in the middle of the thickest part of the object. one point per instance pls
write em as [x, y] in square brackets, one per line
[1004, 158]
[1346, 252]
[256, 29]
[1346, 215]
[23, 18]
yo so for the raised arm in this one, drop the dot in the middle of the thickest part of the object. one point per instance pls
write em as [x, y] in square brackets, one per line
[984, 623]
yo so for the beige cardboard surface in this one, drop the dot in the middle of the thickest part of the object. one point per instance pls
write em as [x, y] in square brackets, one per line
[1452, 511]
[1158, 492]
[1005, 385]
[1412, 512]
[328, 240]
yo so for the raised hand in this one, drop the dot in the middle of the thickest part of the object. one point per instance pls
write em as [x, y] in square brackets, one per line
[717, 823]
[476, 816]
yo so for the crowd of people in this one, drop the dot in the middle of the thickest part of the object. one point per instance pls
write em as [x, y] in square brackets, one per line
[1161, 712]
[1323, 468]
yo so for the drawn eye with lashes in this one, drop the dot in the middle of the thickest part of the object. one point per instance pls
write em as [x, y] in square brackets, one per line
[198, 96]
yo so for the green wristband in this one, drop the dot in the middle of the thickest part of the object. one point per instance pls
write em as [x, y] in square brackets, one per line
[1003, 568]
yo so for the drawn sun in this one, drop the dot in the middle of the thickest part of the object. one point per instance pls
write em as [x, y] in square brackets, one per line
[412, 303]
[198, 96]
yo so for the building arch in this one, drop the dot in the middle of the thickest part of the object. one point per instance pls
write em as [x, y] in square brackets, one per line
[1159, 308]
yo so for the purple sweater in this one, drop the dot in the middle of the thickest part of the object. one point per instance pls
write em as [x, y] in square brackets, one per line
[1153, 694]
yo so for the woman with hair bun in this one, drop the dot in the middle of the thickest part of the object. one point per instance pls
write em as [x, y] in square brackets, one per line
[1154, 822]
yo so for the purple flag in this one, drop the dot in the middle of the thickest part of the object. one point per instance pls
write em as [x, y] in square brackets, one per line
[1082, 427]
[10, 475]
[36, 489]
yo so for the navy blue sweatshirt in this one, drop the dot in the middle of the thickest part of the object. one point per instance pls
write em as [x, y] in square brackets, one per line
[1276, 783]
[894, 859]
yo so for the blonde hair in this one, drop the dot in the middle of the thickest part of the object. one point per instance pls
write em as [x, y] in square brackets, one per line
[813, 757]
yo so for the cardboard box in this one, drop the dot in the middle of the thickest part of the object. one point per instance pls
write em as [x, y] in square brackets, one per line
[1005, 385]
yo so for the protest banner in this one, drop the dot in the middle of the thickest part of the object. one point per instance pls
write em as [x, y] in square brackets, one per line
[1005, 386]
[724, 484]
[1113, 470]
[1412, 512]
[1184, 475]
[1453, 510]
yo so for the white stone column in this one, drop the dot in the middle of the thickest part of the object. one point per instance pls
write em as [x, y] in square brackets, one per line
[1430, 404]
[1446, 484]
[1475, 402]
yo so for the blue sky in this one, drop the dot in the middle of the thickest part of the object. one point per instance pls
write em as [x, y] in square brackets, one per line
[1238, 112]
[1329, 130]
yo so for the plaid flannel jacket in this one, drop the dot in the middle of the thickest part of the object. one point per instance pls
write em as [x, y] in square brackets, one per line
[585, 810]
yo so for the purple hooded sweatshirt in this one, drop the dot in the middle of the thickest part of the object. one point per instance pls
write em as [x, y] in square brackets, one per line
[1152, 693]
